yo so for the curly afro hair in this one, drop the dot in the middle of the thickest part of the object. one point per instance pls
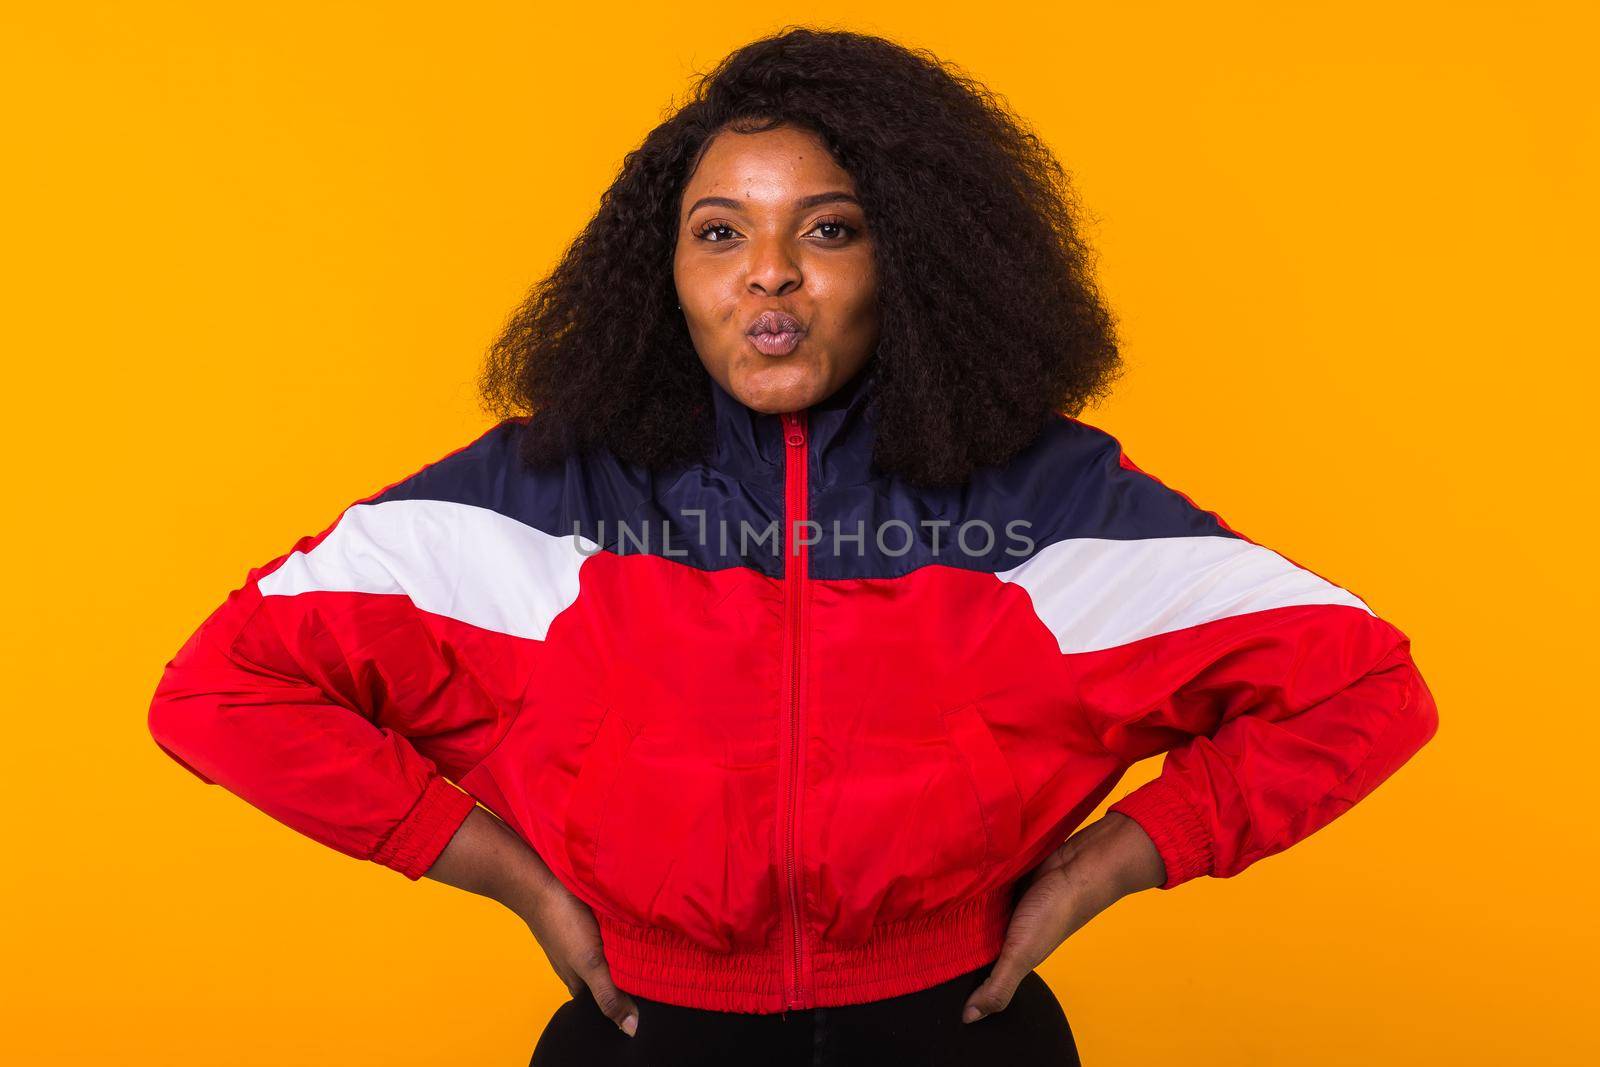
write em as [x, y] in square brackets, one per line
[989, 315]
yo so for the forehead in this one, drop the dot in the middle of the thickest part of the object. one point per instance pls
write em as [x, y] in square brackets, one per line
[772, 167]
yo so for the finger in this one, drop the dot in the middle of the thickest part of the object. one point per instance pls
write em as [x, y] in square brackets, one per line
[566, 974]
[613, 1003]
[997, 989]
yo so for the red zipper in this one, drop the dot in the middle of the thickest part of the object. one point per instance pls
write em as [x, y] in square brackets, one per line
[794, 573]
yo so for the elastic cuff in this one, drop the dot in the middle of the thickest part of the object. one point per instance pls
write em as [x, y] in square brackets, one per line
[414, 844]
[1179, 833]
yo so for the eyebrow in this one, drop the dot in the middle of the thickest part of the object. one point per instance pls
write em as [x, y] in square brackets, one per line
[836, 196]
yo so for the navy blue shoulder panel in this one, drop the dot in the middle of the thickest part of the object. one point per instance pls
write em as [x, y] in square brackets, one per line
[1068, 483]
[619, 506]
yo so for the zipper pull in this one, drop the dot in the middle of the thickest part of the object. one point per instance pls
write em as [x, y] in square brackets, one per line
[795, 432]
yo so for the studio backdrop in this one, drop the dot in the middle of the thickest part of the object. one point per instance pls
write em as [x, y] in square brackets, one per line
[255, 258]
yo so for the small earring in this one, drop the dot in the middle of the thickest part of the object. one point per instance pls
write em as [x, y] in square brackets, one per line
[680, 307]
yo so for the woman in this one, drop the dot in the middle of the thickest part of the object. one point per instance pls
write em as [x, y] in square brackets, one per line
[790, 619]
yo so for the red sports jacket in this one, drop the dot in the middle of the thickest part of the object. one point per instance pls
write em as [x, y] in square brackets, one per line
[792, 728]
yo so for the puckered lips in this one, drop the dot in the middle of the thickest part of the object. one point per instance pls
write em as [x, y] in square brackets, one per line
[775, 333]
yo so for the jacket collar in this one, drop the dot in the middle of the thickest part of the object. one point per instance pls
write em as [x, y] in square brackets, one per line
[840, 431]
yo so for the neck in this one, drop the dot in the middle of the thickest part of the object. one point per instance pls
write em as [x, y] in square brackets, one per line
[839, 430]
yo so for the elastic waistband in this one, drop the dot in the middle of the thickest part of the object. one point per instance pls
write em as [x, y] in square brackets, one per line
[898, 958]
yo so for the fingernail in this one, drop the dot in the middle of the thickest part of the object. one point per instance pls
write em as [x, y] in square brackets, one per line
[972, 1014]
[630, 1024]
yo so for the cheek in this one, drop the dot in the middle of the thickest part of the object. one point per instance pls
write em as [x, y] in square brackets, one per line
[855, 273]
[708, 290]
[855, 295]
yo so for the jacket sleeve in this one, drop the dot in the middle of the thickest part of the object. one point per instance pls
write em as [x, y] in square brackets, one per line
[1279, 698]
[332, 705]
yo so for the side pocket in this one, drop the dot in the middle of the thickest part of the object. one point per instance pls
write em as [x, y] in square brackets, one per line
[602, 760]
[998, 797]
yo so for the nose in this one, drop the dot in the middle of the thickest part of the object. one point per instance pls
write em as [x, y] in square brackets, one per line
[774, 270]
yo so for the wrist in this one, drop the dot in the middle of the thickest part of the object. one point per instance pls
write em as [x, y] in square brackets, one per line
[1135, 862]
[522, 896]
[509, 871]
[1115, 855]
[523, 885]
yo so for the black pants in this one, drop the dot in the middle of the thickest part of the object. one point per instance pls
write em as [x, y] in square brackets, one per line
[924, 1027]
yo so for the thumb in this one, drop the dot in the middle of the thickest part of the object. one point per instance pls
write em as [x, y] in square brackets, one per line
[613, 1003]
[997, 989]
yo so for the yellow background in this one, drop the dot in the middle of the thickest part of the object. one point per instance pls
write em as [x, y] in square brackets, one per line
[254, 254]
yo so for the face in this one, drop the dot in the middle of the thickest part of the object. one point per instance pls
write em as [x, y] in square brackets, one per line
[772, 240]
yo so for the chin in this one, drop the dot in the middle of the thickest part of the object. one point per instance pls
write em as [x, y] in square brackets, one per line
[774, 402]
[779, 387]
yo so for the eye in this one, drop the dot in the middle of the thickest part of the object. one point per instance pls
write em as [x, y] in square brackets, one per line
[705, 228]
[840, 227]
